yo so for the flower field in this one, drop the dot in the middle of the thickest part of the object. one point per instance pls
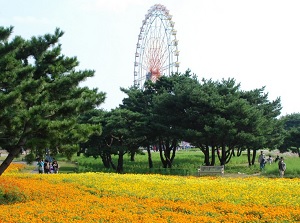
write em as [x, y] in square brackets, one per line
[100, 197]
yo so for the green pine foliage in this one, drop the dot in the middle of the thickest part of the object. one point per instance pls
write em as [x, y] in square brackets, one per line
[41, 98]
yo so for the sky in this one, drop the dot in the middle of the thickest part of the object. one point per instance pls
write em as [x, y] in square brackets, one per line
[256, 42]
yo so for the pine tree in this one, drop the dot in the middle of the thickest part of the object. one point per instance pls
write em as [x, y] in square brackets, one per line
[40, 96]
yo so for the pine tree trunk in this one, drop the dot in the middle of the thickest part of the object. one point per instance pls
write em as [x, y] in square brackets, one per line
[161, 149]
[253, 156]
[149, 157]
[223, 158]
[205, 150]
[132, 154]
[239, 151]
[213, 155]
[233, 152]
[174, 147]
[10, 157]
[105, 157]
[120, 162]
[111, 163]
[168, 156]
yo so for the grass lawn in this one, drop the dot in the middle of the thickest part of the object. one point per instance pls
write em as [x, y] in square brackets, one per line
[186, 162]
[65, 166]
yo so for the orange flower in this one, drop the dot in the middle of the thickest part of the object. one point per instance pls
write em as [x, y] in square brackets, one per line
[99, 197]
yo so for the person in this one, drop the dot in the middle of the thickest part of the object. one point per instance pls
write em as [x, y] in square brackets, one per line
[262, 163]
[55, 166]
[40, 165]
[276, 159]
[281, 167]
[260, 157]
[270, 159]
[47, 166]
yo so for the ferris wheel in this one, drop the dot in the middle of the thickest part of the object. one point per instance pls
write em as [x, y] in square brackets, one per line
[157, 47]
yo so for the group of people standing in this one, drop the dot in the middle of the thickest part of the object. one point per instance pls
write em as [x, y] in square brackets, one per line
[263, 160]
[47, 166]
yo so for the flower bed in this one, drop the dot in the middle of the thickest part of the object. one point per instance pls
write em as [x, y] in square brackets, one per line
[99, 197]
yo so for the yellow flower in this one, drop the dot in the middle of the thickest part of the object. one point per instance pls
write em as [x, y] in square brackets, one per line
[101, 197]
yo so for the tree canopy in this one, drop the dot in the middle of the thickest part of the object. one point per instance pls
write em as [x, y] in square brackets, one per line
[215, 116]
[291, 141]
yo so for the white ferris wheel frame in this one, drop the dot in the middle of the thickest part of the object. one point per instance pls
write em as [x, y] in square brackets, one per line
[157, 47]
